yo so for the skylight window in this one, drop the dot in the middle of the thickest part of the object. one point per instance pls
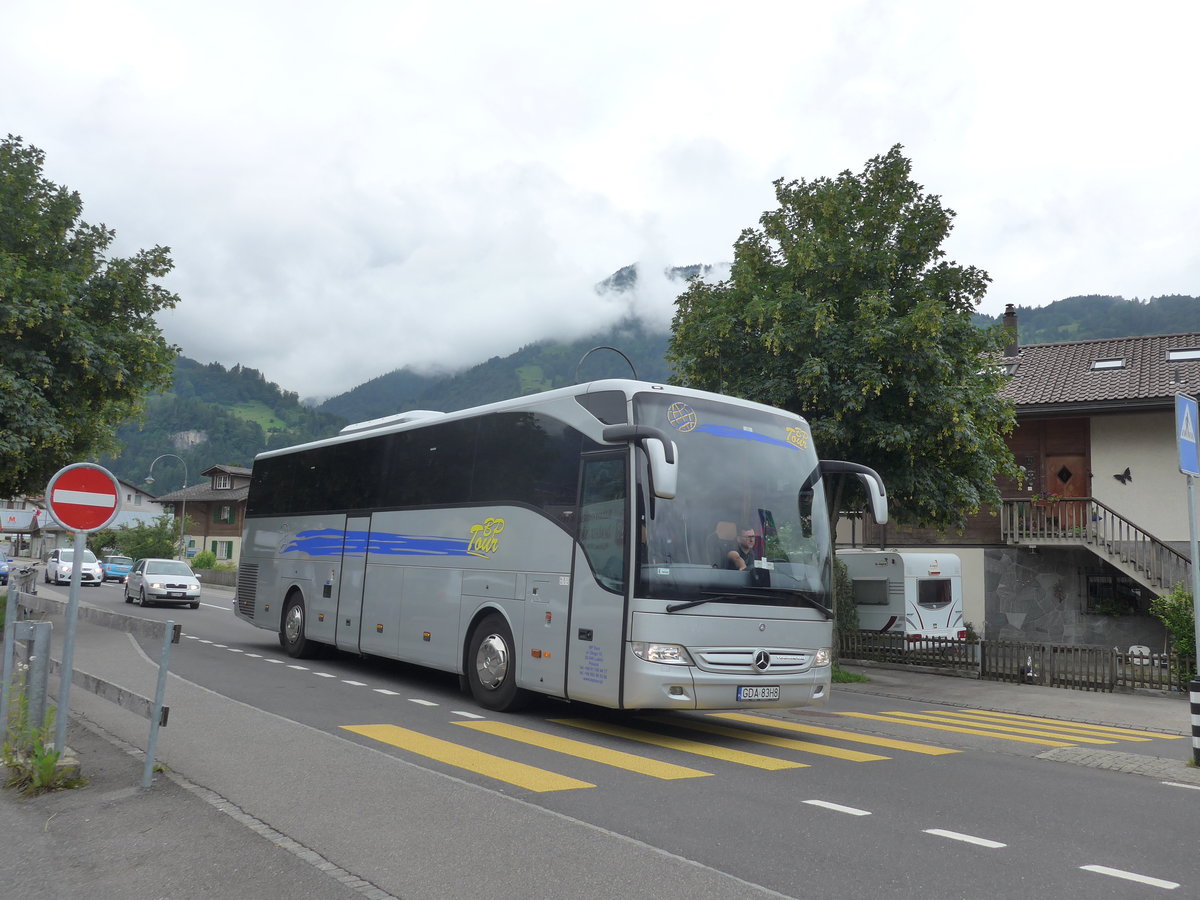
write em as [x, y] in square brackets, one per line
[1183, 355]
[1108, 364]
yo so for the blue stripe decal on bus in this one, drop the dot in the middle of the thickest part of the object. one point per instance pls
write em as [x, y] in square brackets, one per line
[742, 435]
[331, 542]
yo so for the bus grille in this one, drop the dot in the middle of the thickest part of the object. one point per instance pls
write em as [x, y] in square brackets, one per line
[247, 589]
[742, 660]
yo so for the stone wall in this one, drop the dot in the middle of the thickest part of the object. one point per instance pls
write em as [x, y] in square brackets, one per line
[1041, 596]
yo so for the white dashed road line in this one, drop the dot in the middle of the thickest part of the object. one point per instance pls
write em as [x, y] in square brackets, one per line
[965, 838]
[1132, 876]
[837, 807]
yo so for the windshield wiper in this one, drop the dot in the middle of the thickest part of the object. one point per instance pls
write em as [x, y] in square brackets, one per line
[807, 596]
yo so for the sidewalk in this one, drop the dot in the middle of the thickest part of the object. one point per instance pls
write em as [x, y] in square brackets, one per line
[254, 805]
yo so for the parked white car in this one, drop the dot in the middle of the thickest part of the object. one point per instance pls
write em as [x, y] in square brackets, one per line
[60, 563]
[163, 581]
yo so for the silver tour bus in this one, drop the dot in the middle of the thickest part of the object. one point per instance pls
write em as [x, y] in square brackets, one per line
[578, 543]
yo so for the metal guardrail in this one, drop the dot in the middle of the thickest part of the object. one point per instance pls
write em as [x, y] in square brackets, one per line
[22, 604]
[1072, 666]
[1087, 521]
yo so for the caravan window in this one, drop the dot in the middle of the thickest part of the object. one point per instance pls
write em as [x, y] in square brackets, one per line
[870, 592]
[933, 591]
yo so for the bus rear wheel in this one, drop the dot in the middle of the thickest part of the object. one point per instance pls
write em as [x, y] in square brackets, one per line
[492, 666]
[291, 630]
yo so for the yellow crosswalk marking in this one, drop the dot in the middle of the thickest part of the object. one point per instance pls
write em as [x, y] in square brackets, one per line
[1003, 730]
[758, 737]
[851, 736]
[685, 746]
[519, 774]
[621, 760]
[956, 729]
[1122, 734]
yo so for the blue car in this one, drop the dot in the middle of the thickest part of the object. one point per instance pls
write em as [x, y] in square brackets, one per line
[4, 570]
[116, 568]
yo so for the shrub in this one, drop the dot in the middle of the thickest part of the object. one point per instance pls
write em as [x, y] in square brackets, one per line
[1174, 609]
[205, 559]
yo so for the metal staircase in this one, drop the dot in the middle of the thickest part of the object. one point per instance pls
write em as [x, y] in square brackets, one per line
[1086, 522]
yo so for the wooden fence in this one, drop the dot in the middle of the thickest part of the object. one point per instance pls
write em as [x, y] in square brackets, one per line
[1077, 667]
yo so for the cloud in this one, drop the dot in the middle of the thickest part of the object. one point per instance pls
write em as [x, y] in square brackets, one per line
[350, 188]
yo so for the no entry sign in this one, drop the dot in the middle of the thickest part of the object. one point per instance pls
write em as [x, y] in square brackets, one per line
[83, 497]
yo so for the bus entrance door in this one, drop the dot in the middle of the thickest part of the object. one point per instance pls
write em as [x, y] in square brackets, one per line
[349, 585]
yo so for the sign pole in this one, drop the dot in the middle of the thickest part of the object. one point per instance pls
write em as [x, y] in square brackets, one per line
[1194, 687]
[1187, 430]
[68, 658]
[1191, 494]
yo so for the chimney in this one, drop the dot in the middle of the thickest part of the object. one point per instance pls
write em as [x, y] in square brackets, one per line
[1010, 322]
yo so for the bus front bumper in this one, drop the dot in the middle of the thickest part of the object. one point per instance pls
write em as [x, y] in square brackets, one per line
[651, 685]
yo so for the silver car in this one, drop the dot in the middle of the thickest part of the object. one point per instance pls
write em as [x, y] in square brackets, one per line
[60, 563]
[163, 581]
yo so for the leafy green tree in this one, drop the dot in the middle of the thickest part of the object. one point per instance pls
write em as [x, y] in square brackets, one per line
[841, 307]
[158, 539]
[81, 348]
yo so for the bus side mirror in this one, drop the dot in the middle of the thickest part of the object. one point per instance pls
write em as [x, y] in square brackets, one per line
[875, 492]
[871, 482]
[663, 473]
[659, 450]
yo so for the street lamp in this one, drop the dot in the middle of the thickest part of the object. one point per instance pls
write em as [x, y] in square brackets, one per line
[183, 502]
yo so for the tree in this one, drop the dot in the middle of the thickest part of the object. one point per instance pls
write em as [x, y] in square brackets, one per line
[81, 349]
[841, 307]
[159, 539]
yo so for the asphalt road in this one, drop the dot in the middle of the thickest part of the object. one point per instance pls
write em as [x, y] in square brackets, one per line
[870, 794]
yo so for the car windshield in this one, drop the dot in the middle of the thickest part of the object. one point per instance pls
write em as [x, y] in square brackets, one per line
[168, 567]
[88, 556]
[118, 560]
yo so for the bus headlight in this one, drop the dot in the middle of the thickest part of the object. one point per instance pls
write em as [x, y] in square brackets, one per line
[822, 657]
[669, 654]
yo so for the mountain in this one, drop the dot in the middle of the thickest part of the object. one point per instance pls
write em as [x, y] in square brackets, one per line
[212, 415]
[535, 367]
[1099, 316]
[216, 415]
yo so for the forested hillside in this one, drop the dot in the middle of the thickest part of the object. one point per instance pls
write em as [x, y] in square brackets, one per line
[535, 367]
[213, 415]
[218, 415]
[1097, 316]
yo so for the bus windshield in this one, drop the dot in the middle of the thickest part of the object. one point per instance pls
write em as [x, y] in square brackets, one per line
[749, 489]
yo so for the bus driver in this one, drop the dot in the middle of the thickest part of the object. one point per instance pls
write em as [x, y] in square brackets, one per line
[744, 555]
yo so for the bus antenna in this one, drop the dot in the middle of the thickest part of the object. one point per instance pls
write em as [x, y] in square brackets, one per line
[603, 347]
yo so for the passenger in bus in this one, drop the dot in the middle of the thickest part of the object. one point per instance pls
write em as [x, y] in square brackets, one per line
[743, 556]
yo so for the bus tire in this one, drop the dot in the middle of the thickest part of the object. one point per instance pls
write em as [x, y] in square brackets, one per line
[491, 669]
[291, 629]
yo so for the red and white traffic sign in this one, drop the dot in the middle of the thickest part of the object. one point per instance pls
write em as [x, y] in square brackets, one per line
[83, 497]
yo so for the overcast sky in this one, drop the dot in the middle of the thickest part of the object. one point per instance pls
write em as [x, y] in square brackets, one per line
[351, 187]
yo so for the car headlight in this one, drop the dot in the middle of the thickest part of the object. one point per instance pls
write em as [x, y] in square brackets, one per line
[822, 657]
[668, 654]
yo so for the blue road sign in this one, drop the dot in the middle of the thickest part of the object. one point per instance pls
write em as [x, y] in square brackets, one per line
[1186, 424]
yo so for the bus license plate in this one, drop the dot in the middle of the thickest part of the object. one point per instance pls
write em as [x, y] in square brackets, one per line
[758, 692]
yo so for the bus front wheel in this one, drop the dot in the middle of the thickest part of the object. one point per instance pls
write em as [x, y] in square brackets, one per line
[291, 630]
[492, 666]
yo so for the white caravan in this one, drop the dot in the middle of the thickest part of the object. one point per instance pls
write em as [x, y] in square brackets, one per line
[918, 595]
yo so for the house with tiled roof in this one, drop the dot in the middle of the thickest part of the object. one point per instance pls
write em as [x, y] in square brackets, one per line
[215, 511]
[1097, 526]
